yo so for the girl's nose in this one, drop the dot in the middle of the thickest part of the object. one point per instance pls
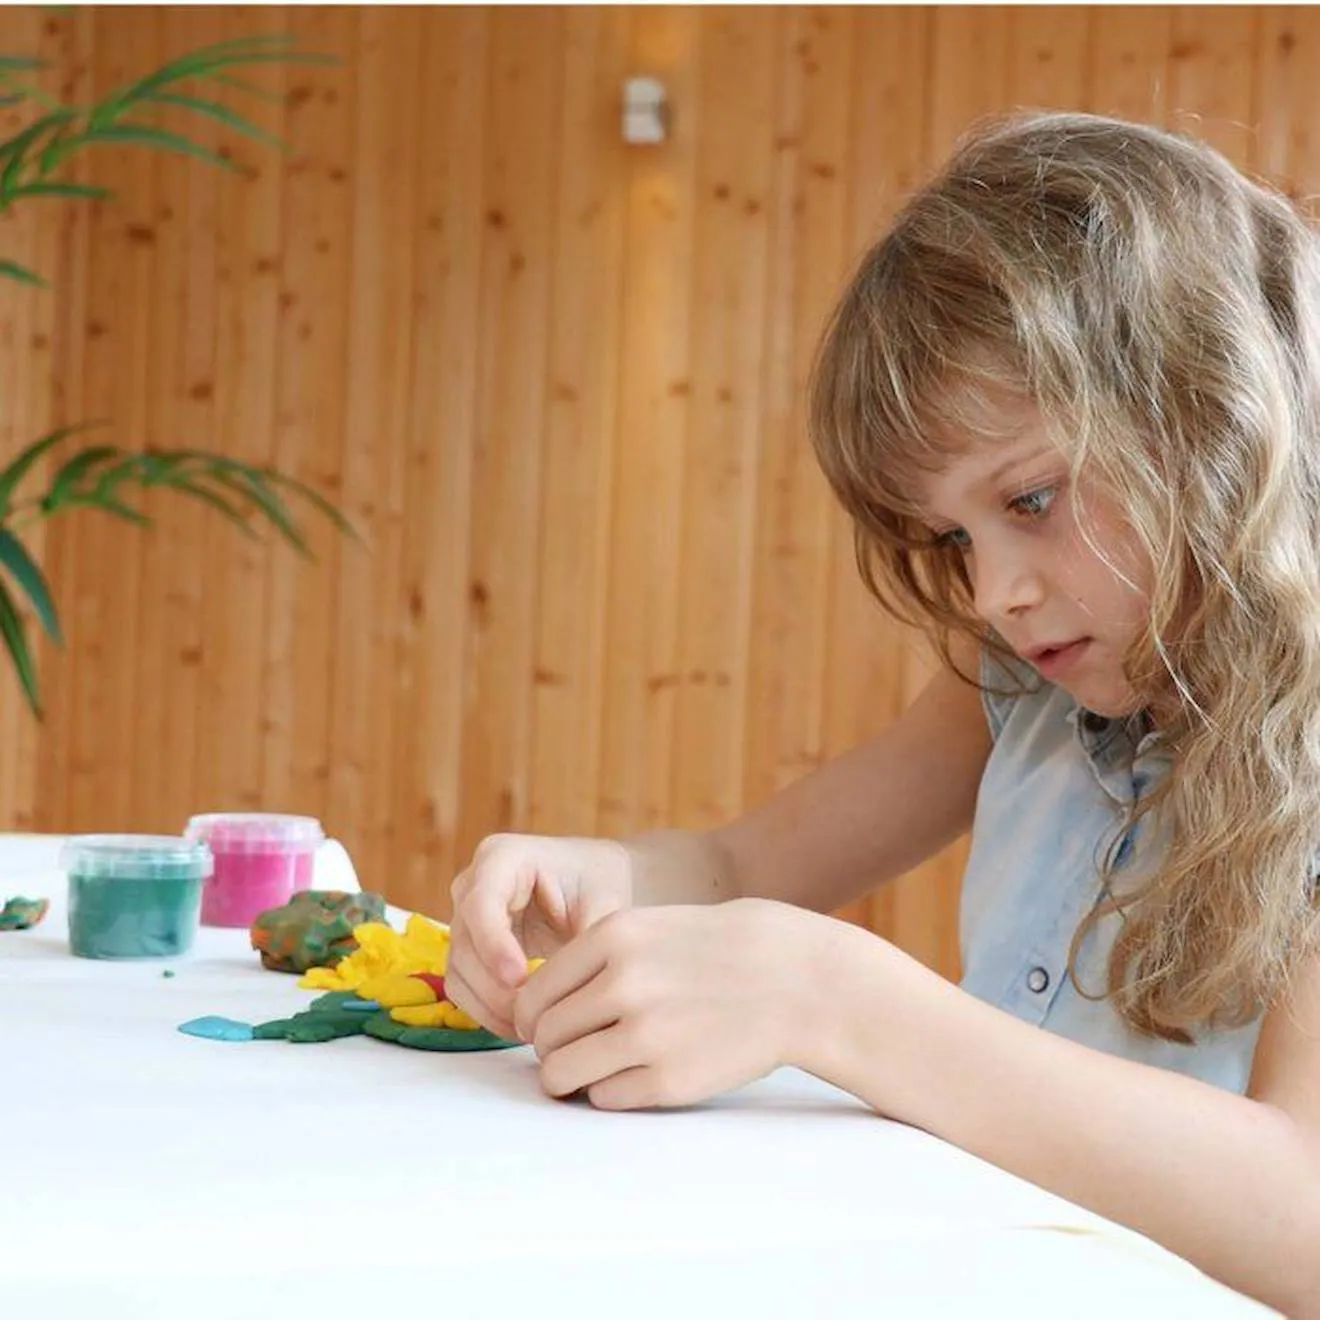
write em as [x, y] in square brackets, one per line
[1006, 586]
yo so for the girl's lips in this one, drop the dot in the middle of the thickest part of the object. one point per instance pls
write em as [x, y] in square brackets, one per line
[1053, 661]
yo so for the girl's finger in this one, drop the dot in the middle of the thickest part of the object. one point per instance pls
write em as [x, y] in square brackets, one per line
[587, 1061]
[566, 971]
[488, 922]
[492, 1005]
[577, 1015]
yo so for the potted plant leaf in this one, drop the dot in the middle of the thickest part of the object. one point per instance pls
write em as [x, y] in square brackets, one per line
[103, 476]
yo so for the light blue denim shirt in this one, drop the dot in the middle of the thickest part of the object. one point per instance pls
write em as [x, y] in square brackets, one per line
[1055, 795]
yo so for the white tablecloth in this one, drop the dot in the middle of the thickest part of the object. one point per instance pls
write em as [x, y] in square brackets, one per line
[153, 1176]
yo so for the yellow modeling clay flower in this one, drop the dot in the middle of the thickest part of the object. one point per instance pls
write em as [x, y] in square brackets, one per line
[422, 947]
[443, 1014]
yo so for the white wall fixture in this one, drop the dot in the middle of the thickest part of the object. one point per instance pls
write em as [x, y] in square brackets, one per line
[645, 110]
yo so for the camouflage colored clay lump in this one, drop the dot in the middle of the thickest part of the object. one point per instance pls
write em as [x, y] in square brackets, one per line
[314, 929]
[21, 913]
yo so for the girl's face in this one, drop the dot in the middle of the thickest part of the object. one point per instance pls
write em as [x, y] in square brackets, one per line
[1069, 605]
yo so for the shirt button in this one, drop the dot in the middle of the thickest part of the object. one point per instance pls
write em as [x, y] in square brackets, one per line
[1038, 980]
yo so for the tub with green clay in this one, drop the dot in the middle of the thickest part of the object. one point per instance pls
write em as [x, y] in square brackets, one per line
[134, 895]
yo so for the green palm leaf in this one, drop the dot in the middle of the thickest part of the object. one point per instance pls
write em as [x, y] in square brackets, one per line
[216, 502]
[64, 489]
[14, 556]
[145, 135]
[57, 189]
[251, 486]
[315, 498]
[102, 476]
[12, 476]
[14, 271]
[221, 113]
[14, 633]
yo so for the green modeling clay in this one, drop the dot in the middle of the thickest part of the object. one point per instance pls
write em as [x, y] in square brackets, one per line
[326, 1019]
[22, 913]
[314, 929]
[447, 1039]
[341, 1013]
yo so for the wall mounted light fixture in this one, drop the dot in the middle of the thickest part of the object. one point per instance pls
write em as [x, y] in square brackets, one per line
[645, 110]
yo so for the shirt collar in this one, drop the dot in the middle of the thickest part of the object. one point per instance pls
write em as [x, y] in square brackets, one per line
[1124, 753]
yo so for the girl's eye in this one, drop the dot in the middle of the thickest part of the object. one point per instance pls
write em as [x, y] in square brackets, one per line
[956, 538]
[1034, 503]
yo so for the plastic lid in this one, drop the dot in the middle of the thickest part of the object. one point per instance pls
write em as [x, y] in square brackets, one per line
[137, 857]
[256, 831]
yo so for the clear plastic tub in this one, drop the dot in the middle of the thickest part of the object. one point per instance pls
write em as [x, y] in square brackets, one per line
[261, 860]
[134, 895]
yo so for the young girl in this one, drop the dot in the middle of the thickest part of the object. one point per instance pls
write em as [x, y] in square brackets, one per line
[1072, 404]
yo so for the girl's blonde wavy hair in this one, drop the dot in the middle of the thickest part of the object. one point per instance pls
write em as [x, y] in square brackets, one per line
[1163, 314]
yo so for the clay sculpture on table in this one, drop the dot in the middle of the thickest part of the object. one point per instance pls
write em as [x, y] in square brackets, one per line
[391, 987]
[314, 929]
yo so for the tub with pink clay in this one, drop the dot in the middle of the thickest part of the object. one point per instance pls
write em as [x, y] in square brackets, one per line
[261, 861]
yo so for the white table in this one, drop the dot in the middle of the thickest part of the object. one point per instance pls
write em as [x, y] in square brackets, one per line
[151, 1175]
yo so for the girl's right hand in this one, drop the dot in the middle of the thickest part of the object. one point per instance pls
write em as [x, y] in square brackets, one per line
[524, 896]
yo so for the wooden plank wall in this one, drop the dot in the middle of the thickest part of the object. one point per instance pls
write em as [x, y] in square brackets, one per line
[556, 381]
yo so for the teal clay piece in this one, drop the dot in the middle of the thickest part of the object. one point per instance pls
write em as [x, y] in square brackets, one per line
[217, 1028]
[23, 913]
[314, 929]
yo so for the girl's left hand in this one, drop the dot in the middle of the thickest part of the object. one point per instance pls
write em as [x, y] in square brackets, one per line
[670, 1005]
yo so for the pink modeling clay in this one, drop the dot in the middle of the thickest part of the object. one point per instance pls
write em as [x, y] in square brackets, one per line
[261, 861]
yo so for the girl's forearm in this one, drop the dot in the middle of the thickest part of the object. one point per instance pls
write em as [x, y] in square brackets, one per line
[680, 866]
[1229, 1183]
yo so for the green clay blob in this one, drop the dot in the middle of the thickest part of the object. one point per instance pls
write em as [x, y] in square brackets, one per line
[446, 1039]
[326, 1018]
[314, 929]
[23, 913]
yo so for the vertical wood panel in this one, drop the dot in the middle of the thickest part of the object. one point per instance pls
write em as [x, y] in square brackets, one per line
[808, 246]
[523, 120]
[369, 600]
[1212, 84]
[107, 571]
[69, 293]
[179, 406]
[968, 71]
[311, 352]
[1288, 66]
[581, 416]
[556, 379]
[655, 390]
[1129, 61]
[1047, 59]
[249, 243]
[438, 511]
[733, 187]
